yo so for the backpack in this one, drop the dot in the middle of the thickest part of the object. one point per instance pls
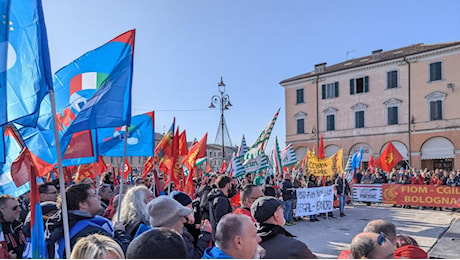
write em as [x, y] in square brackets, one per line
[96, 221]
[204, 206]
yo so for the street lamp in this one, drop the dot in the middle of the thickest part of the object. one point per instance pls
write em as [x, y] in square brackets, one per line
[224, 102]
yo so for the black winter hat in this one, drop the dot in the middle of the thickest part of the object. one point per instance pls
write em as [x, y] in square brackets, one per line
[181, 197]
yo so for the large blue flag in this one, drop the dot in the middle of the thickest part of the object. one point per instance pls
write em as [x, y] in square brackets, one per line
[28, 70]
[74, 85]
[110, 104]
[140, 138]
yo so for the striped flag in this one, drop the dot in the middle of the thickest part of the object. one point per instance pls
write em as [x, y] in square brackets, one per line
[277, 168]
[243, 149]
[263, 162]
[259, 145]
[288, 156]
[237, 169]
[348, 170]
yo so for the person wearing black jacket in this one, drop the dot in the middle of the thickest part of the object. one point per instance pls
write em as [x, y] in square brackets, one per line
[10, 211]
[219, 205]
[277, 242]
[83, 206]
[343, 190]
[195, 247]
[288, 193]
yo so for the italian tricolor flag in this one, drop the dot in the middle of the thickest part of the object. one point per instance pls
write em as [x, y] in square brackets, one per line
[87, 80]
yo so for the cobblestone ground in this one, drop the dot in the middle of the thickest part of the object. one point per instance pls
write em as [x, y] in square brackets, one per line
[326, 238]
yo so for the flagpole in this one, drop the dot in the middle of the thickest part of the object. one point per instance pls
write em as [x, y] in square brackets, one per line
[122, 175]
[65, 217]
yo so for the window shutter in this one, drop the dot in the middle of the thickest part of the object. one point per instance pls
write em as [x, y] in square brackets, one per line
[336, 89]
[432, 110]
[439, 109]
[352, 86]
[432, 72]
[366, 84]
[389, 79]
[323, 92]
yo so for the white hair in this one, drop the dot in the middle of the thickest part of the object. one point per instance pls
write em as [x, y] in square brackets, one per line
[133, 208]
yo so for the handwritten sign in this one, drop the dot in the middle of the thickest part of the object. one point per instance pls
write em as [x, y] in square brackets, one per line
[312, 201]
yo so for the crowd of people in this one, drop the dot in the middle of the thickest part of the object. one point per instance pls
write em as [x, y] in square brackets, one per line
[225, 218]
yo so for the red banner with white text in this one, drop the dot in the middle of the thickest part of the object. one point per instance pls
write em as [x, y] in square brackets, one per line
[421, 195]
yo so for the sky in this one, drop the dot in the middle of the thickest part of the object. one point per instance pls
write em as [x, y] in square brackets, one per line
[183, 48]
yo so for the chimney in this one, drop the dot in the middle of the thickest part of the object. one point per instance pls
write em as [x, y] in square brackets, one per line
[321, 67]
[376, 54]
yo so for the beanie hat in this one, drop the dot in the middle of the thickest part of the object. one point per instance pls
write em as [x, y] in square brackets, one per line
[181, 197]
[264, 208]
[165, 211]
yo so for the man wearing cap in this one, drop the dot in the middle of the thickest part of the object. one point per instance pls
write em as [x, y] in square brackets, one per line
[276, 241]
[164, 211]
[195, 246]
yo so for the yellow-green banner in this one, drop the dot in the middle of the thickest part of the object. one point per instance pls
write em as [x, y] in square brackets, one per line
[325, 167]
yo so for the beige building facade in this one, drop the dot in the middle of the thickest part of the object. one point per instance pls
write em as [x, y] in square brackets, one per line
[408, 96]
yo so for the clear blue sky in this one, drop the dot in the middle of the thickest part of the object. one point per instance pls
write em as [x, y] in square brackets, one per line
[182, 49]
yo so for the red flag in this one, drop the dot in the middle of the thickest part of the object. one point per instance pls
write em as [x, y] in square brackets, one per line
[189, 188]
[371, 163]
[196, 152]
[389, 158]
[102, 166]
[163, 149]
[223, 168]
[208, 167]
[321, 153]
[81, 145]
[183, 149]
[174, 169]
[158, 185]
[84, 171]
[148, 166]
[127, 169]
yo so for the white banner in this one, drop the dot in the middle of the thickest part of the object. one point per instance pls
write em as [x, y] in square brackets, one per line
[312, 201]
[367, 192]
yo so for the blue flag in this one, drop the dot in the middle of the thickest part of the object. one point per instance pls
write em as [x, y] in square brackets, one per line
[28, 70]
[140, 138]
[74, 85]
[4, 28]
[110, 104]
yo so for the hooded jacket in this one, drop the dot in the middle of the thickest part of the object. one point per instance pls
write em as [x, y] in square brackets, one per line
[277, 242]
[215, 253]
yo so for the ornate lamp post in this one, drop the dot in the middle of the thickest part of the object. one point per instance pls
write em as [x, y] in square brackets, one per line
[224, 102]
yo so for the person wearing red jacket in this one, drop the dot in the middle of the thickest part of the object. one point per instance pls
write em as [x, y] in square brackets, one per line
[418, 178]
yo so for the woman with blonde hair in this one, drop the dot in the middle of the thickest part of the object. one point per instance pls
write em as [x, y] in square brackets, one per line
[133, 211]
[97, 246]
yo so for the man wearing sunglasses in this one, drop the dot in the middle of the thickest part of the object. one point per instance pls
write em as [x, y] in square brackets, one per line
[369, 245]
[11, 227]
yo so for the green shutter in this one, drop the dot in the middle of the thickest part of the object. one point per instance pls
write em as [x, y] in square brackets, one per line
[336, 89]
[389, 79]
[323, 88]
[366, 84]
[352, 86]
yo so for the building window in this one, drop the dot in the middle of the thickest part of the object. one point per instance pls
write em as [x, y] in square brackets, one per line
[330, 90]
[359, 85]
[436, 110]
[330, 122]
[435, 71]
[359, 119]
[392, 115]
[392, 79]
[299, 96]
[301, 126]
